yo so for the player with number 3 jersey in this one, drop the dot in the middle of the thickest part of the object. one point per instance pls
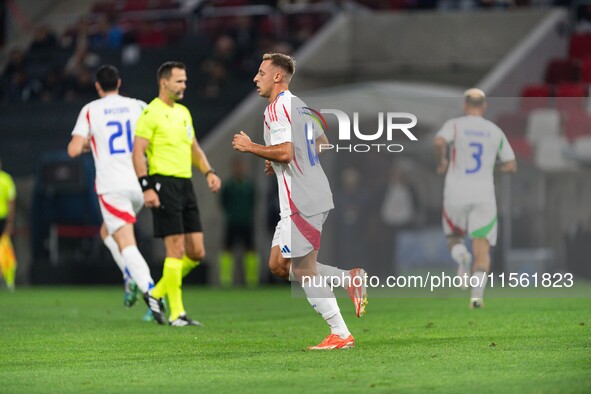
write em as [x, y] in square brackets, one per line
[469, 202]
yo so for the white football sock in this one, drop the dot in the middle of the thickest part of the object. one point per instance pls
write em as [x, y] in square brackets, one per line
[460, 254]
[337, 325]
[324, 302]
[138, 268]
[111, 244]
[338, 276]
[479, 278]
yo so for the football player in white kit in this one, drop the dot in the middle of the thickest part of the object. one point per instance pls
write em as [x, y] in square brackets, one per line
[469, 202]
[107, 127]
[304, 197]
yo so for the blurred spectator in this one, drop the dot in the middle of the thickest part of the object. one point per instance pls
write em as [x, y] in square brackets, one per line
[53, 86]
[350, 203]
[80, 61]
[41, 54]
[107, 35]
[217, 78]
[400, 208]
[43, 39]
[238, 202]
[225, 52]
[244, 34]
[56, 69]
[222, 62]
[81, 86]
[21, 88]
[69, 40]
[16, 62]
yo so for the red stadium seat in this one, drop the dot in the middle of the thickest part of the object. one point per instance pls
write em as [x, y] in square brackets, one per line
[576, 124]
[586, 70]
[136, 5]
[562, 70]
[570, 96]
[535, 96]
[580, 46]
[513, 124]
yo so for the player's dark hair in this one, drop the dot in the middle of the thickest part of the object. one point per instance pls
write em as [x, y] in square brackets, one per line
[282, 61]
[165, 70]
[108, 77]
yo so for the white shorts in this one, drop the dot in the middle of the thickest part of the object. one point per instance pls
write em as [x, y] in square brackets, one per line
[119, 208]
[298, 235]
[475, 220]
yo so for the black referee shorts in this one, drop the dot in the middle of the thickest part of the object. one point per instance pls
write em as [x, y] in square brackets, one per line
[178, 212]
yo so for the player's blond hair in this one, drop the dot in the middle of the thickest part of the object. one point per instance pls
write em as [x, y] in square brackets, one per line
[285, 62]
[474, 97]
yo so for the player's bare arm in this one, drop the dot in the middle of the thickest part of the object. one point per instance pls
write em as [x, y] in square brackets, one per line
[138, 156]
[77, 146]
[508, 167]
[281, 153]
[200, 161]
[441, 155]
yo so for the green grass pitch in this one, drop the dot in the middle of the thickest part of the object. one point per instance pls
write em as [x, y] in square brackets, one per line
[83, 340]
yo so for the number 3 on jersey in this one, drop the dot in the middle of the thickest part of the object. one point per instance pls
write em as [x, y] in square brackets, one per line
[477, 155]
[118, 132]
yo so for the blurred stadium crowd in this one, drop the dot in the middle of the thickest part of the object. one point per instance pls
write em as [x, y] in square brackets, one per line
[59, 65]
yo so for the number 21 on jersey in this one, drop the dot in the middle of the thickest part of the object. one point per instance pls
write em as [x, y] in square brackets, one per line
[115, 145]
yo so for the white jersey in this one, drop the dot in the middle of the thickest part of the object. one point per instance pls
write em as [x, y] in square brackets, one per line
[476, 143]
[303, 186]
[109, 122]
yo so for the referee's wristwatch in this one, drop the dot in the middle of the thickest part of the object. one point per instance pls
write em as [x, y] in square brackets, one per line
[210, 171]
